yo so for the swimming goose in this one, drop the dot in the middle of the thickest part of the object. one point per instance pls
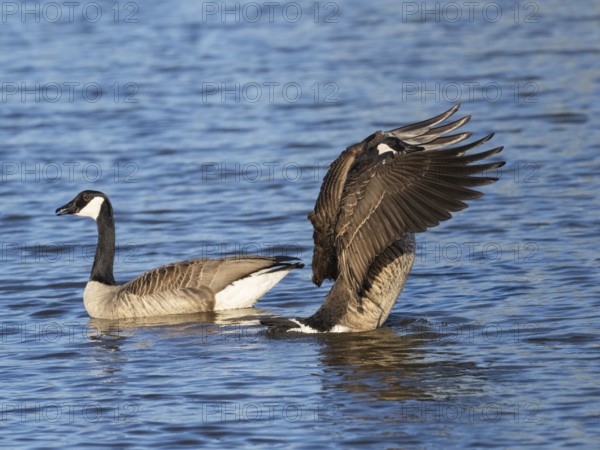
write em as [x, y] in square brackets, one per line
[183, 287]
[374, 197]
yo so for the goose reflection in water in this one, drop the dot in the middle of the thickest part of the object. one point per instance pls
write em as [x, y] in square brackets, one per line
[382, 364]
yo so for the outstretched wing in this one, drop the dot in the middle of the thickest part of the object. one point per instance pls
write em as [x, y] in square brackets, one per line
[424, 135]
[323, 217]
[405, 191]
[365, 156]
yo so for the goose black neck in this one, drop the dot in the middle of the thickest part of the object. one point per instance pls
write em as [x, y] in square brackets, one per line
[102, 270]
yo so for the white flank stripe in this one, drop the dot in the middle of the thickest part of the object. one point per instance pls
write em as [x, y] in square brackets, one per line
[245, 293]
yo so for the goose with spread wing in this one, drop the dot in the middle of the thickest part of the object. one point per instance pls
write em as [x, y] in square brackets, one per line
[374, 197]
[184, 287]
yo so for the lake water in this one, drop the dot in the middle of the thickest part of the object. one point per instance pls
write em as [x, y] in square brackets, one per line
[210, 126]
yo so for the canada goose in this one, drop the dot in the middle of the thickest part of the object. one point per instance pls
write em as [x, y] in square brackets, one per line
[183, 287]
[374, 197]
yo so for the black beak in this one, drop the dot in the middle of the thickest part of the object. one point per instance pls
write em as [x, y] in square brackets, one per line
[317, 281]
[69, 208]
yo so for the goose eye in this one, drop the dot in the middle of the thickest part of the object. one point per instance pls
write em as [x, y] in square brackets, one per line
[86, 197]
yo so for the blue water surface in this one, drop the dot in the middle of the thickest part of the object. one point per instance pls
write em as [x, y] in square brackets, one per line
[210, 125]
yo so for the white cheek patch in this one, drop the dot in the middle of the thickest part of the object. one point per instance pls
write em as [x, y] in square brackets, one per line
[384, 148]
[92, 209]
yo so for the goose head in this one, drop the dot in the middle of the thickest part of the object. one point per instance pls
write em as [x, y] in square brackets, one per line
[86, 204]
